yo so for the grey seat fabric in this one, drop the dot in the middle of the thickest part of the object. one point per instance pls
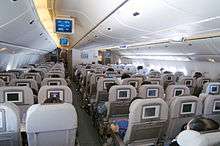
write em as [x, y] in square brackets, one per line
[7, 77]
[211, 99]
[151, 91]
[57, 74]
[147, 119]
[22, 96]
[9, 125]
[53, 81]
[135, 82]
[181, 110]
[62, 92]
[173, 91]
[178, 75]
[119, 99]
[44, 128]
[188, 81]
[2, 83]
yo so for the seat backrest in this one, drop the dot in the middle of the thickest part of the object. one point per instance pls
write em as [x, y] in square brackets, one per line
[154, 74]
[173, 91]
[54, 82]
[156, 81]
[7, 77]
[64, 93]
[22, 96]
[202, 81]
[135, 82]
[102, 84]
[35, 76]
[93, 83]
[44, 128]
[181, 111]
[25, 82]
[151, 91]
[147, 119]
[119, 99]
[209, 90]
[168, 79]
[9, 125]
[177, 75]
[188, 81]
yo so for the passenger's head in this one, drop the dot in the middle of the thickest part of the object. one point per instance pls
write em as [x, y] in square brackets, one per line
[139, 67]
[202, 124]
[145, 83]
[125, 75]
[108, 86]
[110, 69]
[197, 75]
[88, 67]
[53, 100]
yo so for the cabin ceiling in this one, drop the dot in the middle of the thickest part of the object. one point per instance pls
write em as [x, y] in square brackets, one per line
[158, 21]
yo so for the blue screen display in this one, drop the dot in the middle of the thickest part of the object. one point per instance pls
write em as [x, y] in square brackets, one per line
[64, 25]
[64, 41]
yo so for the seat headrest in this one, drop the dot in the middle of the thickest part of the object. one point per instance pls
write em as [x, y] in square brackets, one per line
[212, 105]
[19, 95]
[9, 114]
[168, 78]
[102, 82]
[136, 82]
[54, 75]
[212, 88]
[53, 82]
[187, 80]
[146, 110]
[24, 82]
[185, 106]
[62, 92]
[7, 77]
[151, 91]
[157, 81]
[35, 76]
[202, 81]
[176, 90]
[122, 93]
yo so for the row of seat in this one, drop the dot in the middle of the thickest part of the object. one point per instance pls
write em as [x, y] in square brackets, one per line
[20, 113]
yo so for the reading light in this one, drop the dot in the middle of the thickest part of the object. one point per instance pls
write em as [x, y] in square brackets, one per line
[109, 29]
[211, 60]
[136, 13]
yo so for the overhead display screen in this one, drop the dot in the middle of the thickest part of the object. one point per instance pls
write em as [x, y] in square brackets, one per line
[64, 42]
[64, 25]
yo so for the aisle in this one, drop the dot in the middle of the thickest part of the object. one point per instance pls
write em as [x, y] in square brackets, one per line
[87, 135]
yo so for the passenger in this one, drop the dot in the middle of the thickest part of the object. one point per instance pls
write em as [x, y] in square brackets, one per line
[197, 90]
[202, 124]
[125, 75]
[53, 100]
[197, 75]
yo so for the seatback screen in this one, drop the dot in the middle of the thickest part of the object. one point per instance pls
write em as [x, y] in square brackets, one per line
[56, 94]
[214, 89]
[188, 108]
[188, 83]
[123, 94]
[169, 78]
[152, 93]
[151, 112]
[178, 92]
[23, 84]
[13, 96]
[54, 83]
[5, 78]
[30, 77]
[216, 107]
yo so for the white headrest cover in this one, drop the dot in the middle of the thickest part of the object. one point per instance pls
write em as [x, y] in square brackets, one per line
[32, 82]
[51, 117]
[43, 93]
[170, 91]
[143, 90]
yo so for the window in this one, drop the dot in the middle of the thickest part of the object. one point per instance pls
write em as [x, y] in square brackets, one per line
[133, 83]
[150, 112]
[178, 92]
[55, 94]
[152, 92]
[216, 107]
[23, 84]
[188, 83]
[15, 97]
[188, 108]
[123, 94]
[214, 89]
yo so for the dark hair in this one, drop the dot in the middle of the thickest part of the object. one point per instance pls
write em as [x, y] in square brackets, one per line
[202, 124]
[139, 67]
[197, 75]
[88, 67]
[135, 98]
[125, 75]
[110, 85]
[145, 83]
[53, 100]
[110, 69]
